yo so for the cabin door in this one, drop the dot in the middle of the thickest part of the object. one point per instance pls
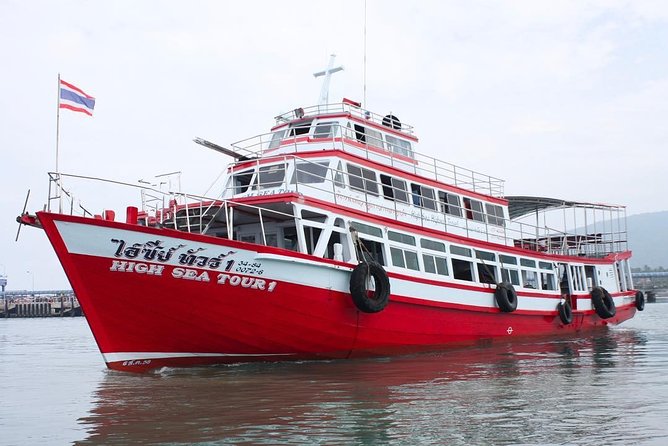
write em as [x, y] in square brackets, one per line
[565, 282]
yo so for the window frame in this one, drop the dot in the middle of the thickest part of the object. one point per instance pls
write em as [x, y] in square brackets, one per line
[474, 214]
[297, 172]
[331, 133]
[447, 207]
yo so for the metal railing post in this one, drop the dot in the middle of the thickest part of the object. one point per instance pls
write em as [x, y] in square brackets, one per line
[230, 223]
[264, 237]
[185, 198]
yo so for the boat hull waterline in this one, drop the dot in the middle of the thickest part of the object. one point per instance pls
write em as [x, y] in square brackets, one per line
[157, 297]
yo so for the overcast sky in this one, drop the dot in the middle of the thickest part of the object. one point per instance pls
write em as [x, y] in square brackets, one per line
[567, 99]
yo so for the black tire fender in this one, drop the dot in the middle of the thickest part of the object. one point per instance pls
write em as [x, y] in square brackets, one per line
[506, 297]
[640, 300]
[565, 312]
[603, 303]
[370, 299]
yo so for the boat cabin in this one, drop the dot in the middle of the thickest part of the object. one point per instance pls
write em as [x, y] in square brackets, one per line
[328, 176]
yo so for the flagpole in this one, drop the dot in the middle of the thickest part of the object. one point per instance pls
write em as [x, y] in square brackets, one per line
[58, 185]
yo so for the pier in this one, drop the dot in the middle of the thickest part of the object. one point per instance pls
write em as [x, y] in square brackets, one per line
[45, 303]
[653, 283]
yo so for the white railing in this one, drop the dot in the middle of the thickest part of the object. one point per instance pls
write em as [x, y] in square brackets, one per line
[344, 140]
[342, 107]
[565, 241]
[195, 213]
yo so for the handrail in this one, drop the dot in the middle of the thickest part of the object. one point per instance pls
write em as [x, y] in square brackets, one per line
[344, 139]
[339, 107]
[195, 209]
[514, 233]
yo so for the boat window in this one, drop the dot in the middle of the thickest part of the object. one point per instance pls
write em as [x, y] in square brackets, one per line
[412, 260]
[486, 273]
[449, 203]
[545, 265]
[368, 136]
[510, 275]
[290, 238]
[528, 263]
[309, 173]
[246, 238]
[578, 278]
[394, 188]
[433, 245]
[325, 130]
[494, 214]
[401, 238]
[355, 178]
[375, 250]
[485, 255]
[404, 258]
[363, 180]
[435, 264]
[271, 176]
[508, 259]
[276, 139]
[360, 136]
[310, 215]
[311, 236]
[423, 196]
[334, 239]
[462, 270]
[529, 279]
[370, 183]
[547, 281]
[338, 176]
[590, 275]
[474, 209]
[348, 131]
[272, 239]
[366, 229]
[399, 146]
[242, 181]
[373, 137]
[300, 128]
[460, 251]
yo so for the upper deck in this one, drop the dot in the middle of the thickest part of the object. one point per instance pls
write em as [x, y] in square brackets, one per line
[349, 128]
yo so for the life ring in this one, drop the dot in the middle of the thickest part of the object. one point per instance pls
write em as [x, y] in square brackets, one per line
[603, 303]
[640, 300]
[370, 287]
[506, 297]
[565, 312]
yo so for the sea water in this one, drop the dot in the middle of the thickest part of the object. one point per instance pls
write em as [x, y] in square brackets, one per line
[602, 388]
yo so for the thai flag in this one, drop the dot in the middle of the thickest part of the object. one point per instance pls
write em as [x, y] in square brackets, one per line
[73, 98]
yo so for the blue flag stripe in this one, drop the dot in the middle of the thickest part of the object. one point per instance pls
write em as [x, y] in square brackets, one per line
[71, 96]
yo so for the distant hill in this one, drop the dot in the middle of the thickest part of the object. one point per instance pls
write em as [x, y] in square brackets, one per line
[648, 239]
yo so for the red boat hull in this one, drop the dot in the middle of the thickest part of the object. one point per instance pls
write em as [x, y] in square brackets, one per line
[148, 314]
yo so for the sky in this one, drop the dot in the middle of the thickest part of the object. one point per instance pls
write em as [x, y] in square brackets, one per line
[563, 99]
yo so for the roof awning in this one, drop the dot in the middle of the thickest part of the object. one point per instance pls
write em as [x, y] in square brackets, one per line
[519, 206]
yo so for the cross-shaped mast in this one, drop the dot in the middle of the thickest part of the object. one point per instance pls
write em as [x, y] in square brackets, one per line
[324, 92]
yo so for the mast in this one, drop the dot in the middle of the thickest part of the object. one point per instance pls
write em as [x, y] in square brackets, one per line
[324, 91]
[59, 187]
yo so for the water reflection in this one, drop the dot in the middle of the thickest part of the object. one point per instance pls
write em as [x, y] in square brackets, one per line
[555, 391]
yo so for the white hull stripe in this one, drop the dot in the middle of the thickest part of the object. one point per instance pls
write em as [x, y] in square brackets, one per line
[128, 356]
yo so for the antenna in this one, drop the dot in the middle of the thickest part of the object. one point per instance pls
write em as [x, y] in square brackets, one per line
[324, 91]
[364, 64]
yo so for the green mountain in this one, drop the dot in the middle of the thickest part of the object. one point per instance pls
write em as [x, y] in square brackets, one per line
[648, 239]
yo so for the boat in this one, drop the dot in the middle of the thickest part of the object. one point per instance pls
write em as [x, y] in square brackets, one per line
[333, 237]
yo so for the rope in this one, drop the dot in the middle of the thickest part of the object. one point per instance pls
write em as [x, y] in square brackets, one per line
[362, 250]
